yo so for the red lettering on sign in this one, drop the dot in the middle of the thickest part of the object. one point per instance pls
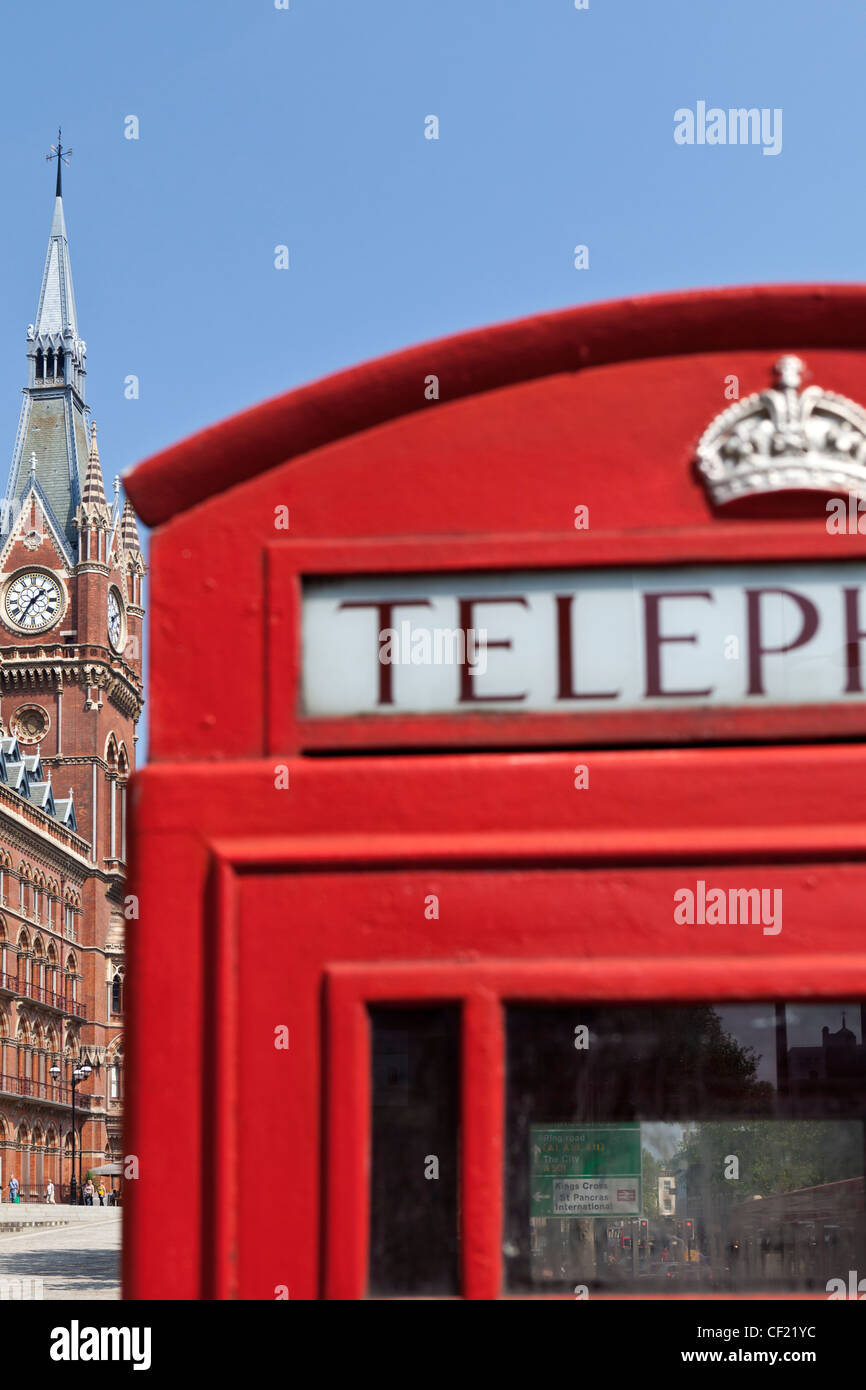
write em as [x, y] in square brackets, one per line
[566, 689]
[386, 620]
[467, 622]
[853, 637]
[756, 650]
[654, 640]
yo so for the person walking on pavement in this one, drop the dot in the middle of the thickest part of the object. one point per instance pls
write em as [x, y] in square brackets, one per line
[88, 1193]
[49, 1193]
[100, 1192]
[13, 1189]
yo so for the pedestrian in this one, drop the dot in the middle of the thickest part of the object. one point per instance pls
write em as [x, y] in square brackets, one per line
[49, 1193]
[115, 1197]
[88, 1193]
[100, 1192]
[13, 1189]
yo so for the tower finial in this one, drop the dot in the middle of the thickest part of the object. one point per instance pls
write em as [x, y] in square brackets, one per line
[62, 157]
[55, 358]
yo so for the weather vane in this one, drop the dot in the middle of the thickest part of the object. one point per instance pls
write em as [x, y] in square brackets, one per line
[61, 155]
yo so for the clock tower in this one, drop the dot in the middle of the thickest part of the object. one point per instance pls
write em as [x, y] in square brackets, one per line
[71, 693]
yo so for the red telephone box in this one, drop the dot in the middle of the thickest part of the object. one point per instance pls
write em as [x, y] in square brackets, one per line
[501, 851]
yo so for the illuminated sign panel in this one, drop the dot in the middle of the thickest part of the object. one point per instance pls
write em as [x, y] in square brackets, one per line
[631, 639]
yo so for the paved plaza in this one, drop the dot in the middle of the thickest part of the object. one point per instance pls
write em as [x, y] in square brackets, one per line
[77, 1261]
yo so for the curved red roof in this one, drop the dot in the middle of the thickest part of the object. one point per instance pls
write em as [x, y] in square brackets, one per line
[258, 439]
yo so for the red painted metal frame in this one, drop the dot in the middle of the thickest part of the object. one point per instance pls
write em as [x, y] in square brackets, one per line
[221, 1097]
[289, 562]
[590, 335]
[799, 814]
[214, 843]
[483, 989]
[453, 477]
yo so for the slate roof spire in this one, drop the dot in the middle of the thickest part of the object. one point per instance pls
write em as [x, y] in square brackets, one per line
[94, 510]
[129, 537]
[94, 485]
[52, 424]
[56, 311]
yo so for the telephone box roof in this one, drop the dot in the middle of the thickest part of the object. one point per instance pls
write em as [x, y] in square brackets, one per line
[335, 407]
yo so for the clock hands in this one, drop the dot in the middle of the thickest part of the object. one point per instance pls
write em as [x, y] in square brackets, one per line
[34, 602]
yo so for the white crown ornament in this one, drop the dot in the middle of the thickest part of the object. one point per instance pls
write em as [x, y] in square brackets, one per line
[784, 440]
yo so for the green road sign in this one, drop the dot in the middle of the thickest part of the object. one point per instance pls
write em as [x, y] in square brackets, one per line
[585, 1170]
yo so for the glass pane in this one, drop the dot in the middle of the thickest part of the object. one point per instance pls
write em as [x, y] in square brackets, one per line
[690, 1147]
[415, 1151]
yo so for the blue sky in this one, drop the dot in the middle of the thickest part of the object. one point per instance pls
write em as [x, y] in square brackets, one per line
[304, 127]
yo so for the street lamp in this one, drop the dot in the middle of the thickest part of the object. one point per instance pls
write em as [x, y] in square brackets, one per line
[81, 1069]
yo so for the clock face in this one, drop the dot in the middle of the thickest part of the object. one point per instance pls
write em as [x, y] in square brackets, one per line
[115, 620]
[33, 600]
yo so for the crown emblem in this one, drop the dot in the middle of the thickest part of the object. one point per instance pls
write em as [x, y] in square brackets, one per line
[784, 440]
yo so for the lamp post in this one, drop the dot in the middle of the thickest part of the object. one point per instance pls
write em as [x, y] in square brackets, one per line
[81, 1069]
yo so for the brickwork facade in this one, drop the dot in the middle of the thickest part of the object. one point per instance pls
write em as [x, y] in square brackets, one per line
[71, 610]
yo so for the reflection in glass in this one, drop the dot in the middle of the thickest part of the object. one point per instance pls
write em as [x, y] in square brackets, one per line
[414, 1178]
[688, 1147]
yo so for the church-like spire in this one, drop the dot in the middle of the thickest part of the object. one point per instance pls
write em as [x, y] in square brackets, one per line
[94, 514]
[52, 421]
[56, 311]
[94, 485]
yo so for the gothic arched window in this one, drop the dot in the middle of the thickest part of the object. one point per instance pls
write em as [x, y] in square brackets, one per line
[71, 981]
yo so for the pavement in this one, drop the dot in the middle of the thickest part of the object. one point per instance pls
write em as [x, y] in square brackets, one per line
[78, 1260]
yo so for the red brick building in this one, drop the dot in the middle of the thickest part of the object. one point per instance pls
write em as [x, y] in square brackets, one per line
[71, 575]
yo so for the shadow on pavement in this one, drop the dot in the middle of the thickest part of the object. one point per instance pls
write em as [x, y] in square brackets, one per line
[97, 1268]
